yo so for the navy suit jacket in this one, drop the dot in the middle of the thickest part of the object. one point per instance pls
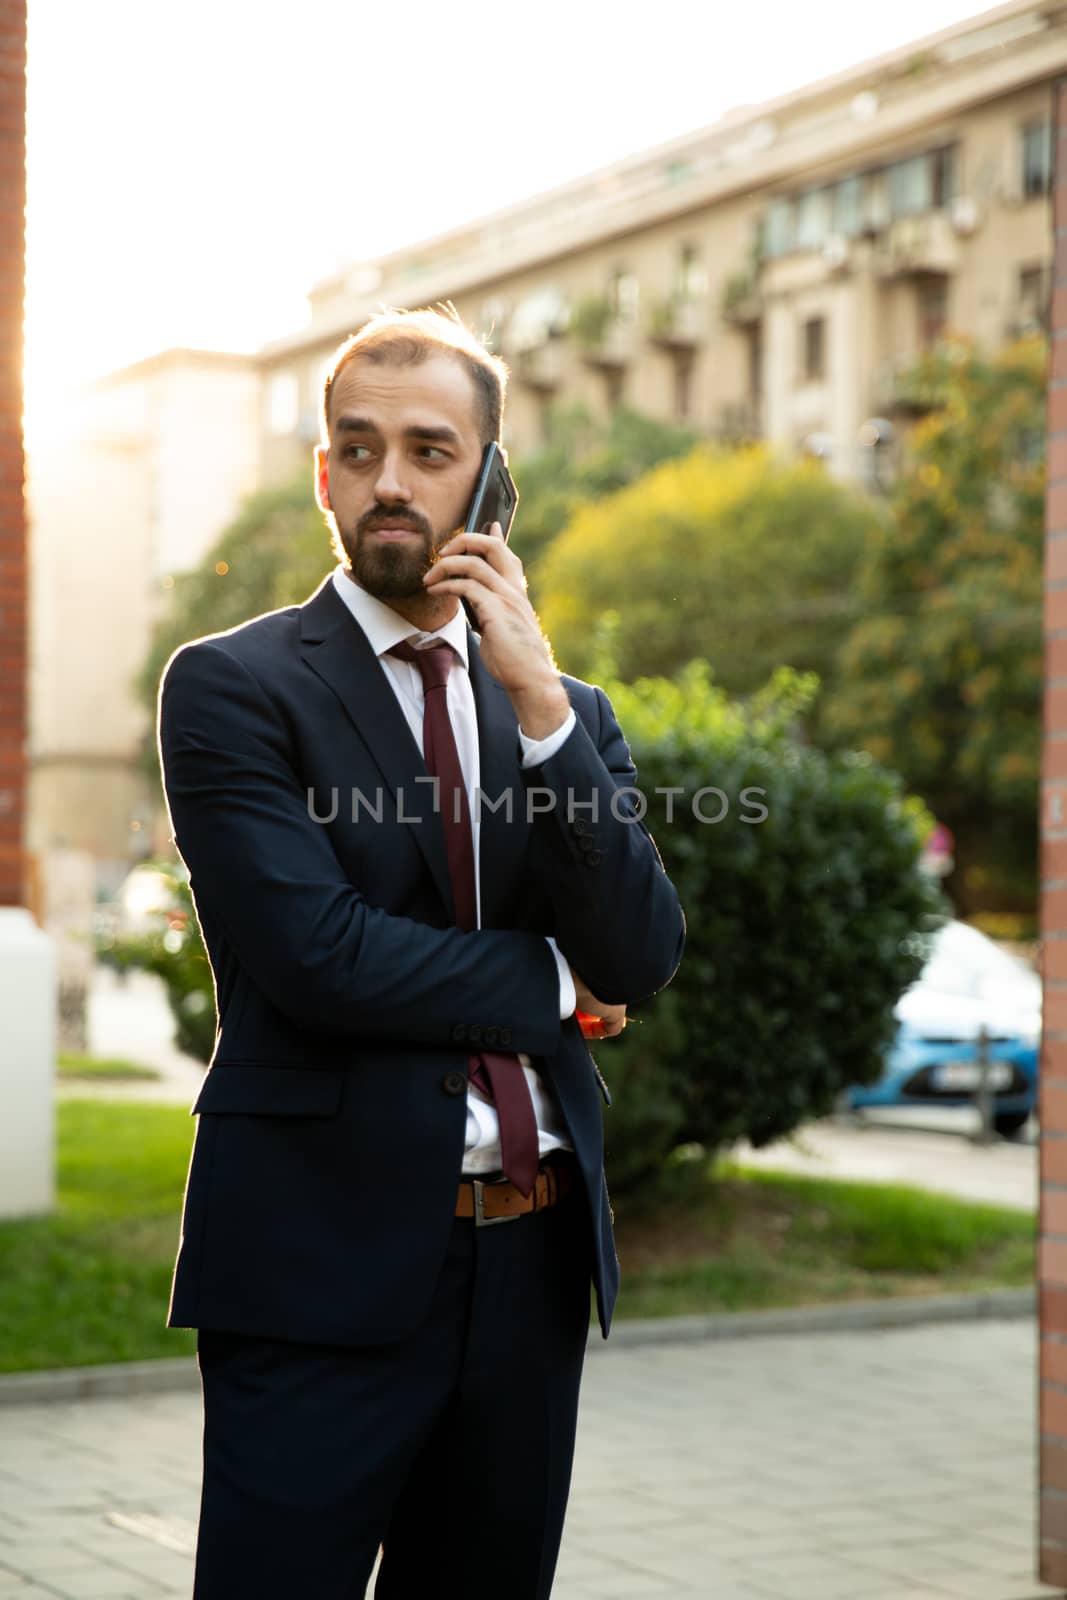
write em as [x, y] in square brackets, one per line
[322, 1186]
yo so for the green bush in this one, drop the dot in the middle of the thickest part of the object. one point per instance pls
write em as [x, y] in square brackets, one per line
[803, 927]
[175, 952]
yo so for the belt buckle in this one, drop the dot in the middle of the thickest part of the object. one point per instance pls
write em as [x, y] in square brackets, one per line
[480, 1218]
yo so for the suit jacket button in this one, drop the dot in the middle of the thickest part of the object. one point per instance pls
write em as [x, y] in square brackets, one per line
[580, 825]
[585, 843]
[459, 1033]
[491, 1035]
[474, 1033]
[505, 1036]
[454, 1083]
[593, 859]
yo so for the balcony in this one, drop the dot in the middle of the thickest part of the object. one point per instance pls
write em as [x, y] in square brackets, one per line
[539, 366]
[742, 302]
[679, 323]
[911, 246]
[604, 337]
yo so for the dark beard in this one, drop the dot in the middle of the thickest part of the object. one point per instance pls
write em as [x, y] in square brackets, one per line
[389, 572]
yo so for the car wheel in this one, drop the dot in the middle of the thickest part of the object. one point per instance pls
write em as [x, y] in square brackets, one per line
[1009, 1123]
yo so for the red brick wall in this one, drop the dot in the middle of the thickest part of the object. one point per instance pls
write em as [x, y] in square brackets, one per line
[1053, 1218]
[12, 514]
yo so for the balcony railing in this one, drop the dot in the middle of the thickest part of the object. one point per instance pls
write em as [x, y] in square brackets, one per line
[916, 245]
[679, 322]
[538, 366]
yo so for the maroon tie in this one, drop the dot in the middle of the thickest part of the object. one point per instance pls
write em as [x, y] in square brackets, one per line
[499, 1077]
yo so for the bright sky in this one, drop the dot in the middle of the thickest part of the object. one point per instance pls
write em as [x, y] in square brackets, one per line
[194, 168]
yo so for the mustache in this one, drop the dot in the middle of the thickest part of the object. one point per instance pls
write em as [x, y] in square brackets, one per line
[381, 517]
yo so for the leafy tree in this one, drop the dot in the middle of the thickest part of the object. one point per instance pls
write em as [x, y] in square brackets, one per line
[941, 675]
[272, 554]
[582, 460]
[736, 557]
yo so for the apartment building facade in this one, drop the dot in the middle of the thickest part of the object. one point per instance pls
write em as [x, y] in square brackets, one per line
[767, 277]
[164, 453]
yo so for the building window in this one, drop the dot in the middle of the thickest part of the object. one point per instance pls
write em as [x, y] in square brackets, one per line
[813, 219]
[876, 201]
[944, 165]
[847, 207]
[910, 186]
[614, 386]
[814, 351]
[691, 277]
[1033, 297]
[683, 388]
[283, 403]
[755, 366]
[778, 226]
[933, 310]
[1036, 158]
[624, 292]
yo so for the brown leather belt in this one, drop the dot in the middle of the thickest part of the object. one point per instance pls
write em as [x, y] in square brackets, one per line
[502, 1202]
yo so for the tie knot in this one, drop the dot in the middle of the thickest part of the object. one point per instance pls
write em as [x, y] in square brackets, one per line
[434, 662]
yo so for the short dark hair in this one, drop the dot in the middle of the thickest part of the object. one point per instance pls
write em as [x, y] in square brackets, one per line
[401, 337]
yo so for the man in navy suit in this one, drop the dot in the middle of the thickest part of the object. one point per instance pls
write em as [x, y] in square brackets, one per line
[413, 857]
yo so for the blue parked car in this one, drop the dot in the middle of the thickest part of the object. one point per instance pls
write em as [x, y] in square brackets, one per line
[967, 981]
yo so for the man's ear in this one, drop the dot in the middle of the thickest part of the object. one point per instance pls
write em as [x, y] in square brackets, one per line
[322, 477]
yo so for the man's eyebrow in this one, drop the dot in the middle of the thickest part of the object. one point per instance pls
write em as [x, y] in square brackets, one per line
[437, 434]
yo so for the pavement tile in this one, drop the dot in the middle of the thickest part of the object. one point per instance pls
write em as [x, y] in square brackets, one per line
[824, 1467]
[91, 1583]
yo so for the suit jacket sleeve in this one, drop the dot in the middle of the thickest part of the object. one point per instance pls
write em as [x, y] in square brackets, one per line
[618, 920]
[266, 872]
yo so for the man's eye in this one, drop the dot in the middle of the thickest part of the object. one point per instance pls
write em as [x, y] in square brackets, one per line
[350, 451]
[432, 450]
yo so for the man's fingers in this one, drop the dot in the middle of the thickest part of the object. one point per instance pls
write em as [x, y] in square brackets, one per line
[492, 549]
[465, 566]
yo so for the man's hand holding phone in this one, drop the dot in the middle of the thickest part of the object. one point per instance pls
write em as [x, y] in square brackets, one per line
[479, 568]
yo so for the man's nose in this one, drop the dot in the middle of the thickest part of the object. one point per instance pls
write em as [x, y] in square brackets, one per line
[392, 484]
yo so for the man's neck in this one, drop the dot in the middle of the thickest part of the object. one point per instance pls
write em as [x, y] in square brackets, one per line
[424, 611]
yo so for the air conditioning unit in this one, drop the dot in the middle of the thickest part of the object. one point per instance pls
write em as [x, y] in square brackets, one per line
[963, 214]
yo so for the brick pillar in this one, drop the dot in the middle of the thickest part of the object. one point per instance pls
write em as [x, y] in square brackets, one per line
[13, 653]
[1052, 1269]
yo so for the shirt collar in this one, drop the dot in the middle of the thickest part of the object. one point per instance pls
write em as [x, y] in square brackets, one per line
[385, 627]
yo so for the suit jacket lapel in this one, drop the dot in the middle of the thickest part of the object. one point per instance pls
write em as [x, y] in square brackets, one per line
[504, 831]
[335, 647]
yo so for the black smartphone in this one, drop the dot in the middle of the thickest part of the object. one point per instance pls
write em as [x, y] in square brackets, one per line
[494, 500]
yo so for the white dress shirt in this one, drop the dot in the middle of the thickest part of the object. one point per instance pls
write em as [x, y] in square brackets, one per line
[385, 628]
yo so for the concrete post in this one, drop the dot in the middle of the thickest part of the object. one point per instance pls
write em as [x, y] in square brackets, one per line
[27, 979]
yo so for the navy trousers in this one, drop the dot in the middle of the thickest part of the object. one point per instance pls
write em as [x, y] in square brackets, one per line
[451, 1448]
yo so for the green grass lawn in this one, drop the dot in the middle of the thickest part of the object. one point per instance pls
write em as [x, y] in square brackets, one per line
[750, 1240]
[103, 1069]
[91, 1283]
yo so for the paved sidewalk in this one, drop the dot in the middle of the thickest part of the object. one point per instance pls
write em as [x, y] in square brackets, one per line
[896, 1465]
[930, 1150]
